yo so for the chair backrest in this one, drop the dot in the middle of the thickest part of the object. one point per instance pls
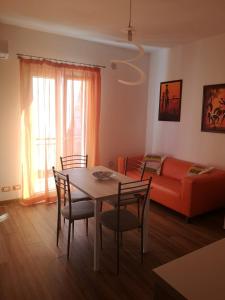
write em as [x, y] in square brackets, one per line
[134, 164]
[132, 191]
[74, 161]
[62, 184]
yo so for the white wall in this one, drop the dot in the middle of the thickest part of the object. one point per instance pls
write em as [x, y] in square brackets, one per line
[123, 108]
[200, 63]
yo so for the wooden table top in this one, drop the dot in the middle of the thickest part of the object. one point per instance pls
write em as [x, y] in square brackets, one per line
[199, 275]
[83, 179]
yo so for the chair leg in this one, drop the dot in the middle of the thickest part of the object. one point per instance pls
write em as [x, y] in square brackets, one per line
[58, 229]
[142, 244]
[101, 235]
[58, 225]
[120, 235]
[138, 208]
[68, 242]
[73, 228]
[121, 238]
[87, 227]
[118, 253]
[59, 218]
[64, 203]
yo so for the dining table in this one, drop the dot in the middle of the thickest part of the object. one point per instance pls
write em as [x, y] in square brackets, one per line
[99, 191]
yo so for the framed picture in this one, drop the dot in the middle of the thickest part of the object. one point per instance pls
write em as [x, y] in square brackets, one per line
[170, 100]
[213, 108]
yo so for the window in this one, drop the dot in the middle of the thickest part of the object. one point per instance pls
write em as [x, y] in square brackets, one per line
[43, 132]
[60, 116]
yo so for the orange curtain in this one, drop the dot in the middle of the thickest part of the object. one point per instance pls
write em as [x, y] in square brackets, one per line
[60, 113]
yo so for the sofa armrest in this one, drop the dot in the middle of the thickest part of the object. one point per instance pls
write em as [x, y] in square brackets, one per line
[122, 162]
[203, 193]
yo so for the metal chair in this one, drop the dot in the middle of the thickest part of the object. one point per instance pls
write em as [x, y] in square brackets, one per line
[74, 161]
[72, 211]
[121, 220]
[139, 166]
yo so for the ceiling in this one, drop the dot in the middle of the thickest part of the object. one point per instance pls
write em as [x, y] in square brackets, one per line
[159, 23]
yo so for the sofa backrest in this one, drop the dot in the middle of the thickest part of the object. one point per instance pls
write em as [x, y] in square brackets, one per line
[175, 168]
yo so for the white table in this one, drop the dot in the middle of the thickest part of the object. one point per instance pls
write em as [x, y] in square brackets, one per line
[101, 190]
[198, 275]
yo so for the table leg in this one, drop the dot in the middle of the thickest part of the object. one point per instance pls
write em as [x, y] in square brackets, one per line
[146, 226]
[97, 236]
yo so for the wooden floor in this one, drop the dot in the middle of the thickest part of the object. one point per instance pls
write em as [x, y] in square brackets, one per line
[32, 267]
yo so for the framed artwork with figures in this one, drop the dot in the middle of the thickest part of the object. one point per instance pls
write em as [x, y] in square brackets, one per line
[213, 108]
[170, 100]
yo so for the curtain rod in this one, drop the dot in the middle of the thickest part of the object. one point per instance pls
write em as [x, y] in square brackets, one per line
[60, 60]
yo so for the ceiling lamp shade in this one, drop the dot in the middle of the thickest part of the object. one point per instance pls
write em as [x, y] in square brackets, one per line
[129, 62]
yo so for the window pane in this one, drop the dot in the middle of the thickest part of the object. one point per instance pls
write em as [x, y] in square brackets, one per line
[76, 115]
[43, 131]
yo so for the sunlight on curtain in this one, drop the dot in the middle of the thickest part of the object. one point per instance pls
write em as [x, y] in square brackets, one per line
[76, 112]
[60, 116]
[43, 133]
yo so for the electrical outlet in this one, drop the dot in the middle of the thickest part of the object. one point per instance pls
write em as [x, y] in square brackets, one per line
[16, 187]
[5, 189]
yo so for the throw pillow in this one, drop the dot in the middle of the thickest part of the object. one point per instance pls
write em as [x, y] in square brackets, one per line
[154, 163]
[198, 170]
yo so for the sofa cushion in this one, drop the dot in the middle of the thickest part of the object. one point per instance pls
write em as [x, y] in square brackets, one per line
[175, 168]
[154, 163]
[165, 189]
[198, 170]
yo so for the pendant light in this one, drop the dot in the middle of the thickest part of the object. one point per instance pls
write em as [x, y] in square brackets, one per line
[129, 62]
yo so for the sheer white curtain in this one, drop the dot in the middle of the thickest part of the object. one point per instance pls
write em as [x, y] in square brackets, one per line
[60, 111]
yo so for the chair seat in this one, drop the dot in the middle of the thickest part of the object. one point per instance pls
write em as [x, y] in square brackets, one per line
[80, 210]
[128, 221]
[78, 196]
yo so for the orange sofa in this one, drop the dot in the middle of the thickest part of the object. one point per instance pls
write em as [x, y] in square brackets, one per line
[188, 195]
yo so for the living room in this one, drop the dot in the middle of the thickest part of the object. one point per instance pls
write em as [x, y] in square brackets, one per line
[128, 126]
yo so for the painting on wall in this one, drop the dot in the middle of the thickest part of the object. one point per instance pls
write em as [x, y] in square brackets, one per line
[213, 108]
[170, 100]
